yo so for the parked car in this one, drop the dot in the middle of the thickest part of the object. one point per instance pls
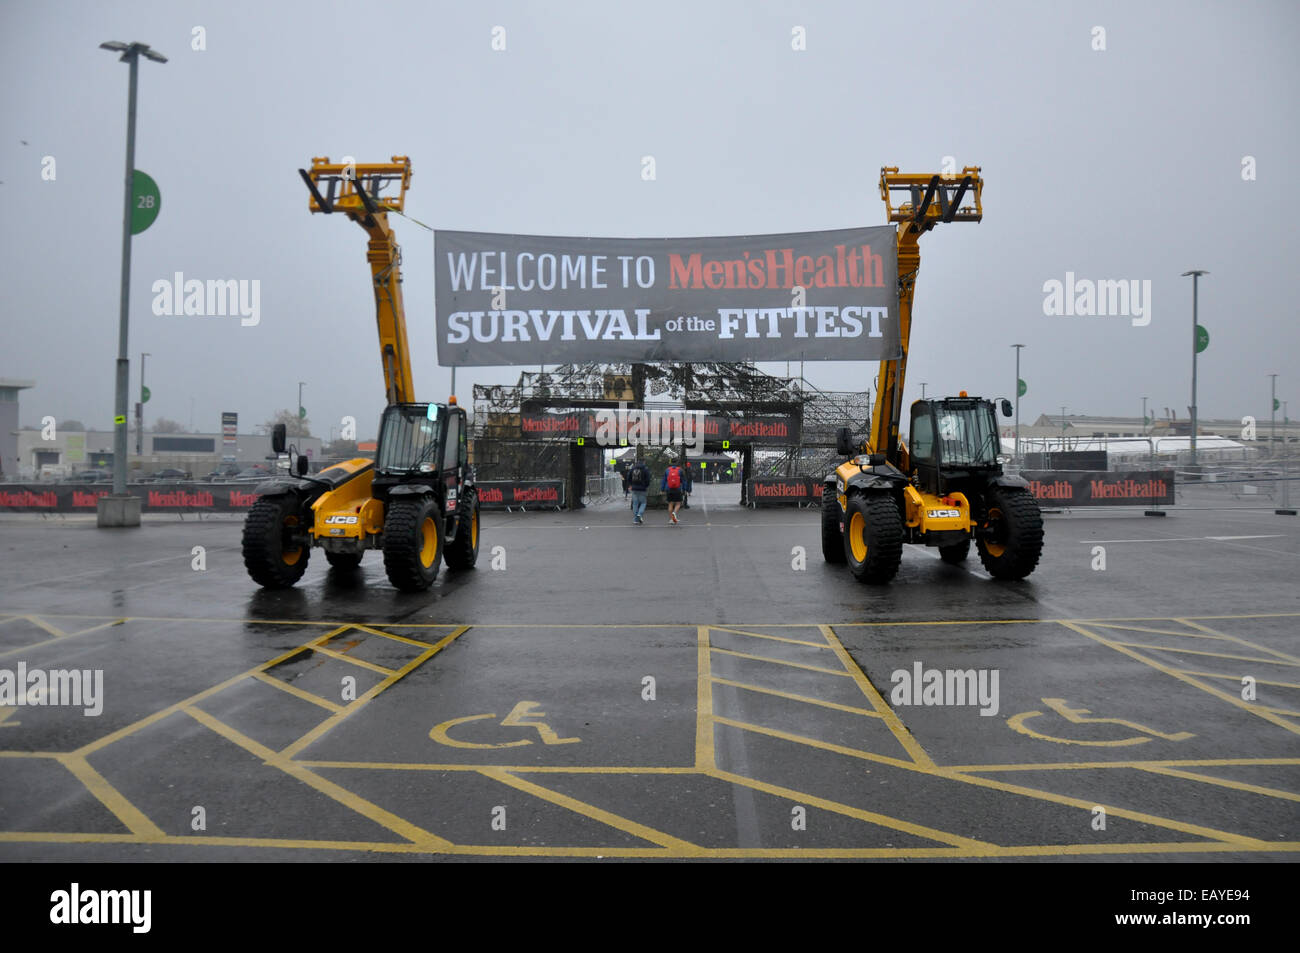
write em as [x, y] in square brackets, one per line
[227, 472]
[169, 474]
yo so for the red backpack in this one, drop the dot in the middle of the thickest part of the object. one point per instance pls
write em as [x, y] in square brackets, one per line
[674, 478]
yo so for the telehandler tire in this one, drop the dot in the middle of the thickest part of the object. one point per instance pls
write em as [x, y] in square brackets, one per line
[270, 556]
[463, 551]
[832, 538]
[413, 542]
[1012, 519]
[873, 537]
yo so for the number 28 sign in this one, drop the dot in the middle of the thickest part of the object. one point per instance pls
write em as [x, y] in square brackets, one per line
[146, 202]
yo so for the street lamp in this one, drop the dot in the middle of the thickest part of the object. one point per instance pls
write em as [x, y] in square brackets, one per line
[1272, 416]
[1196, 276]
[301, 414]
[923, 390]
[1017, 347]
[119, 510]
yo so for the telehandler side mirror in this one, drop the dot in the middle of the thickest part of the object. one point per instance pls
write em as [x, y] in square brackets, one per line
[277, 438]
[1006, 407]
[301, 466]
[844, 442]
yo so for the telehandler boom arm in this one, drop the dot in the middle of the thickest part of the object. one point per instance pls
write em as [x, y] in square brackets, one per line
[357, 190]
[933, 199]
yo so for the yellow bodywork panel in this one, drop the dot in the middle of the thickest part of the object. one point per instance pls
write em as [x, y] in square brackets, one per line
[933, 514]
[349, 510]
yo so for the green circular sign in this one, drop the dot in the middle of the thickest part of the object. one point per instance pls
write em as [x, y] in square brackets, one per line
[146, 202]
[145, 394]
[1021, 388]
[1202, 339]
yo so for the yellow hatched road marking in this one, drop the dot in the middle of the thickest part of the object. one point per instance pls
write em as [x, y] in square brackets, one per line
[798, 698]
[131, 816]
[1241, 658]
[883, 820]
[817, 743]
[774, 638]
[777, 661]
[297, 692]
[36, 621]
[1143, 628]
[594, 813]
[354, 802]
[1223, 782]
[392, 635]
[344, 657]
[512, 768]
[1184, 677]
[329, 723]
[704, 755]
[1214, 633]
[1237, 678]
[896, 726]
[1089, 765]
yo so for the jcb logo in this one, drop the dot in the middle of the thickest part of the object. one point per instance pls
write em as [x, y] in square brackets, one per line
[346, 520]
[943, 514]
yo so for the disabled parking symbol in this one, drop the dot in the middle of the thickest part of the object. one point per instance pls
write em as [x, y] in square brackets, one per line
[523, 715]
[1076, 716]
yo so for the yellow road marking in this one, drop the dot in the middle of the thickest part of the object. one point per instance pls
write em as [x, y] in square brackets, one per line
[1139, 816]
[394, 636]
[329, 723]
[883, 820]
[816, 743]
[1183, 677]
[512, 768]
[354, 802]
[594, 813]
[774, 638]
[777, 661]
[1075, 716]
[344, 657]
[1143, 628]
[36, 621]
[704, 755]
[896, 726]
[1237, 678]
[720, 853]
[5, 714]
[439, 734]
[1242, 658]
[296, 691]
[131, 816]
[1089, 765]
[1224, 783]
[1214, 633]
[798, 698]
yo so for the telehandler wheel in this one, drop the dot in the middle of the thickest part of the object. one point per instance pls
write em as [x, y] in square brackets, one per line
[1011, 538]
[832, 538]
[463, 551]
[343, 561]
[273, 558]
[956, 553]
[873, 537]
[413, 542]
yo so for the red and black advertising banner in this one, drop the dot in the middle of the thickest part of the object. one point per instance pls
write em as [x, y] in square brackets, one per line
[1102, 488]
[628, 427]
[508, 494]
[541, 299]
[154, 497]
[774, 491]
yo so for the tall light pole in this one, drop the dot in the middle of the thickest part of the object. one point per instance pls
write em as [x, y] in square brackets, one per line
[1062, 427]
[121, 511]
[1196, 277]
[301, 415]
[923, 390]
[139, 420]
[1144, 416]
[1017, 347]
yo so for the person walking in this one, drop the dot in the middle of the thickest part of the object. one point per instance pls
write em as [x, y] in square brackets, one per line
[625, 485]
[688, 484]
[638, 482]
[672, 486]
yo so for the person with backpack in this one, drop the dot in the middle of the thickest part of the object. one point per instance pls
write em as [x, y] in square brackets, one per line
[673, 482]
[638, 481]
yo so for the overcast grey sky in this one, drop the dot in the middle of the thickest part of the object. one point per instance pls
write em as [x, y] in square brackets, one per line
[1122, 163]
